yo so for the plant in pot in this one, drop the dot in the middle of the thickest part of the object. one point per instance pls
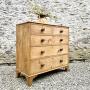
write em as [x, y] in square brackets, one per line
[42, 13]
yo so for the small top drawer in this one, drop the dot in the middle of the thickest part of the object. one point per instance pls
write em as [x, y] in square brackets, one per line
[58, 40]
[41, 29]
[60, 31]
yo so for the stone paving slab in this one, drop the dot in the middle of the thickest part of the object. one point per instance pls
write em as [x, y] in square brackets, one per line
[78, 78]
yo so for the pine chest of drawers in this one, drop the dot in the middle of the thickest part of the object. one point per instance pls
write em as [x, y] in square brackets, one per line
[40, 48]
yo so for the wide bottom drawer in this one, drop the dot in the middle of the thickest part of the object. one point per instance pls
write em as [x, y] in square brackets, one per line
[45, 64]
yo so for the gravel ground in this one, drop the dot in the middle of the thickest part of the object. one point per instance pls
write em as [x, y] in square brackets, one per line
[78, 78]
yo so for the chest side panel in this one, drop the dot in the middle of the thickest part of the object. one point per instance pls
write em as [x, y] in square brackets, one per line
[23, 47]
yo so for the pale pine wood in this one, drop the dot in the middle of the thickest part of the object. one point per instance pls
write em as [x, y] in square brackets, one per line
[49, 63]
[60, 60]
[41, 29]
[48, 50]
[29, 80]
[61, 49]
[60, 31]
[34, 56]
[37, 52]
[23, 48]
[57, 40]
[40, 65]
[18, 48]
[37, 40]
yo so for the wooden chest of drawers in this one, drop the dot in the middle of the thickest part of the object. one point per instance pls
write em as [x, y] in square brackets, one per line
[40, 48]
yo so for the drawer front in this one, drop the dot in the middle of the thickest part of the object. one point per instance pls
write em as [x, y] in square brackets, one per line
[45, 64]
[41, 40]
[41, 29]
[61, 60]
[48, 40]
[60, 40]
[41, 65]
[38, 52]
[62, 49]
[60, 31]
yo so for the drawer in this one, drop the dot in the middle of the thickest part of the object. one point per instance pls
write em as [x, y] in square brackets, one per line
[41, 65]
[60, 31]
[38, 52]
[62, 49]
[60, 40]
[61, 60]
[41, 29]
[41, 40]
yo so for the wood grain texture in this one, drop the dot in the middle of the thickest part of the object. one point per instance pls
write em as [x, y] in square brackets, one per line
[40, 48]
[37, 40]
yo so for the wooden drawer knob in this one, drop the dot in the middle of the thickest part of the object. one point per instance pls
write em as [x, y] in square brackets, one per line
[61, 31]
[60, 50]
[42, 30]
[42, 40]
[42, 65]
[61, 61]
[42, 52]
[61, 40]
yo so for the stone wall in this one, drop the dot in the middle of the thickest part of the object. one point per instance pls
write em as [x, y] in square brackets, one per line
[72, 13]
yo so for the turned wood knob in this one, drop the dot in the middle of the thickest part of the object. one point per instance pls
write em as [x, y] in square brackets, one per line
[61, 40]
[60, 50]
[61, 31]
[42, 40]
[42, 65]
[42, 52]
[61, 61]
[42, 30]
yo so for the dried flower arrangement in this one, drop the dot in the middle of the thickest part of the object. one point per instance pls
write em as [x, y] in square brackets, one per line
[42, 12]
